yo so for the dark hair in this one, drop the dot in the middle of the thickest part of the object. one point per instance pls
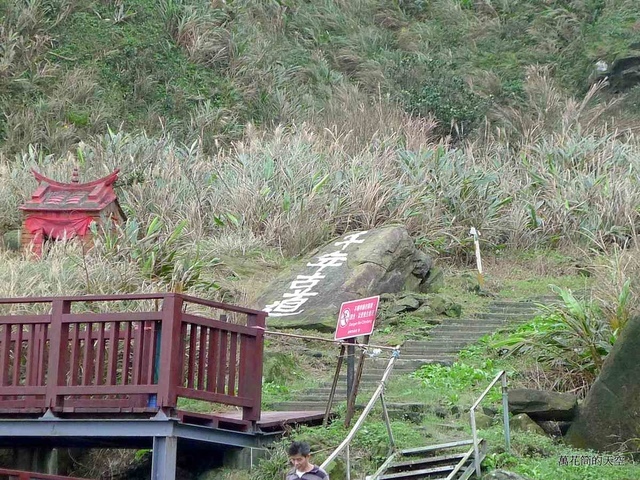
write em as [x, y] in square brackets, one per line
[299, 448]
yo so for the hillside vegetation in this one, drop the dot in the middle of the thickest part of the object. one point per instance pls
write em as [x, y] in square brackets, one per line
[204, 70]
[266, 127]
[248, 132]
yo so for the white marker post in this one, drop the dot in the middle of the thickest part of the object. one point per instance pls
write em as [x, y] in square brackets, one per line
[476, 240]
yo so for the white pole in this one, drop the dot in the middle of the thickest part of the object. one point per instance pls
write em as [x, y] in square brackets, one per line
[476, 241]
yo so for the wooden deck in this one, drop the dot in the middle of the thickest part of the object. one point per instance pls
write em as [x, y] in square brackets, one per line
[96, 371]
[268, 422]
[125, 354]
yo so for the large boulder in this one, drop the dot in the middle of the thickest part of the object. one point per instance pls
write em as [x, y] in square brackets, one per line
[611, 411]
[356, 265]
[543, 405]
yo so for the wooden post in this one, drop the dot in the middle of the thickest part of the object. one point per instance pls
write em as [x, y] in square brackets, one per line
[171, 351]
[253, 387]
[58, 339]
[334, 385]
[351, 399]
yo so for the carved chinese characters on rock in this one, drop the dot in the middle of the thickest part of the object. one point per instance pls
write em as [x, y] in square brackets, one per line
[304, 286]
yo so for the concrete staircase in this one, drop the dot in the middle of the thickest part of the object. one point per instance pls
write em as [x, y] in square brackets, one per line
[441, 346]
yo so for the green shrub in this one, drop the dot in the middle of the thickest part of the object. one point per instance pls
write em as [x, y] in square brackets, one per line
[573, 336]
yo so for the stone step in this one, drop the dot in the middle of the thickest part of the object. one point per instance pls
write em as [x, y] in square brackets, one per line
[489, 322]
[404, 362]
[437, 347]
[512, 310]
[507, 314]
[322, 391]
[518, 305]
[459, 327]
[452, 337]
[434, 342]
[298, 406]
[462, 327]
[427, 358]
[369, 377]
[320, 398]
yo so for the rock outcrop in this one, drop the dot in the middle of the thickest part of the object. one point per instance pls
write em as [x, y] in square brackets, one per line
[523, 423]
[357, 265]
[543, 405]
[610, 415]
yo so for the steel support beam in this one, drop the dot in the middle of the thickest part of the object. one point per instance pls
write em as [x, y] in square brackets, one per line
[53, 431]
[163, 461]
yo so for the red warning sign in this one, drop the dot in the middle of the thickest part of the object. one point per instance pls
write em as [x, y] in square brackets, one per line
[357, 318]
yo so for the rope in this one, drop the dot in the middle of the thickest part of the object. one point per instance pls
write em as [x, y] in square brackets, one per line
[336, 342]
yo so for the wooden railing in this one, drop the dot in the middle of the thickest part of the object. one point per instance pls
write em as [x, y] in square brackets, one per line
[82, 356]
[6, 474]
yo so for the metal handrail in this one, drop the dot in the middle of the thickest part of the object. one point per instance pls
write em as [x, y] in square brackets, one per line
[461, 463]
[377, 394]
[502, 375]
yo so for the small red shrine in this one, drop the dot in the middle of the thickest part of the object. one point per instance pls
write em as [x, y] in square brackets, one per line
[61, 211]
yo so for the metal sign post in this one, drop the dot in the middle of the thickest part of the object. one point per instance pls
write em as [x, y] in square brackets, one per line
[353, 392]
[351, 353]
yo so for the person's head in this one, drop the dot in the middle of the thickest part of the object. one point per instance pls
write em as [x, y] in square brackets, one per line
[299, 454]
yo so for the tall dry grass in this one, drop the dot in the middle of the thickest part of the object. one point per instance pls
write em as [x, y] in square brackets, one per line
[365, 164]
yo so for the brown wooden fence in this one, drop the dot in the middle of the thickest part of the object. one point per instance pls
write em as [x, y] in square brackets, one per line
[6, 474]
[82, 356]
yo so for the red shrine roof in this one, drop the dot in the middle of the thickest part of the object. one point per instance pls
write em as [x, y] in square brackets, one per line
[53, 195]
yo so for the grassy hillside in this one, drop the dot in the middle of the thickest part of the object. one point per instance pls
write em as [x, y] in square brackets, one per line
[267, 127]
[204, 70]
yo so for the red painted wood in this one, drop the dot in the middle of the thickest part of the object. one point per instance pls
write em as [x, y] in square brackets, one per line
[222, 363]
[17, 355]
[87, 354]
[192, 355]
[5, 352]
[202, 353]
[126, 354]
[106, 362]
[149, 349]
[255, 344]
[212, 359]
[75, 354]
[24, 475]
[24, 319]
[29, 358]
[112, 362]
[107, 389]
[138, 350]
[171, 351]
[233, 351]
[217, 324]
[243, 377]
[215, 397]
[110, 317]
[100, 353]
[42, 367]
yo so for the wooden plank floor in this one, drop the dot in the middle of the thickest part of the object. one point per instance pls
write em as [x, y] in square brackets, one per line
[269, 421]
